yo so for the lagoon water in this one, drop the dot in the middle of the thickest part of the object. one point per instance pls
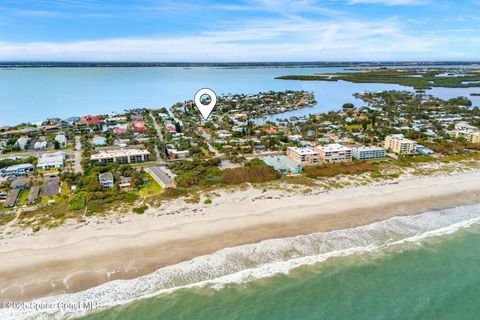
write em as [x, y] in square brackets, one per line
[33, 94]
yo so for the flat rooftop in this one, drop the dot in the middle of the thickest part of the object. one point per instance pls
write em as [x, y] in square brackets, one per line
[371, 148]
[160, 175]
[104, 154]
[303, 151]
[333, 147]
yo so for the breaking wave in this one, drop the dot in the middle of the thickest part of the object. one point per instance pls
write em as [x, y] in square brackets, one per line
[261, 260]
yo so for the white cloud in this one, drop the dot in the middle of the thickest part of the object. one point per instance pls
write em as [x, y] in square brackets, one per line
[289, 39]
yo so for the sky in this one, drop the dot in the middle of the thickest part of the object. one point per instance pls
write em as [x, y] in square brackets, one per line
[239, 31]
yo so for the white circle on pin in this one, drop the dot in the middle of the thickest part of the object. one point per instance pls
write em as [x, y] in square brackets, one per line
[205, 109]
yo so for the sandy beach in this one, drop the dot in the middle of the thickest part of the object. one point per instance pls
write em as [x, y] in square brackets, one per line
[75, 257]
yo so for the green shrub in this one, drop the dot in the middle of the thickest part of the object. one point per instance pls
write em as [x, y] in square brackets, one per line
[252, 173]
[140, 210]
[78, 201]
[331, 170]
[208, 201]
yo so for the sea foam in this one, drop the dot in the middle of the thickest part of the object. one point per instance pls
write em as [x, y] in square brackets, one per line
[261, 260]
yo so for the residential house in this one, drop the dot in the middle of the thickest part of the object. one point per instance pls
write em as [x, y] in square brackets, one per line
[138, 126]
[106, 180]
[424, 150]
[12, 198]
[125, 183]
[282, 164]
[177, 154]
[33, 195]
[464, 126]
[22, 142]
[62, 140]
[51, 187]
[39, 145]
[20, 183]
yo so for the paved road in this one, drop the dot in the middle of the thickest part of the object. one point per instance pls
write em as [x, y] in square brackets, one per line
[78, 155]
[160, 136]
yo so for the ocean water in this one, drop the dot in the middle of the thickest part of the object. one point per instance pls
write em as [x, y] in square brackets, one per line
[33, 94]
[413, 267]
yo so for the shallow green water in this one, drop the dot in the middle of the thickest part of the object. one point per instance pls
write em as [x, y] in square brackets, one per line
[439, 279]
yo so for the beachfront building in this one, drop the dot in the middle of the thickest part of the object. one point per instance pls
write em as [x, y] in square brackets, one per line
[122, 156]
[106, 180]
[161, 177]
[33, 195]
[424, 150]
[398, 144]
[282, 164]
[125, 183]
[368, 153]
[21, 183]
[12, 198]
[334, 153]
[18, 170]
[303, 156]
[48, 161]
[470, 136]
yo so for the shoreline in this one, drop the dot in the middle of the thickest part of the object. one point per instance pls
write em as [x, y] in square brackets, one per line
[74, 257]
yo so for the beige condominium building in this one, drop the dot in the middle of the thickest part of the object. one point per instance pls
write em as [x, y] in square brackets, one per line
[470, 136]
[334, 153]
[398, 144]
[303, 156]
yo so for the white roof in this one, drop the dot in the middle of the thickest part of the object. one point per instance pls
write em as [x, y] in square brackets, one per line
[371, 148]
[105, 154]
[19, 167]
[50, 158]
[303, 151]
[333, 147]
[61, 138]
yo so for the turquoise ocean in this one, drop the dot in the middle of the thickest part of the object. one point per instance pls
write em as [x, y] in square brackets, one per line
[413, 267]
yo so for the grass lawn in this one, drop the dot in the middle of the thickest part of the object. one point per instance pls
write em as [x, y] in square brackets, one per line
[22, 199]
[150, 188]
[358, 126]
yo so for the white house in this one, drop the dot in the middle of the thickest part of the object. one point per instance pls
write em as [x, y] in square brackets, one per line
[22, 142]
[51, 160]
[62, 140]
[40, 145]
